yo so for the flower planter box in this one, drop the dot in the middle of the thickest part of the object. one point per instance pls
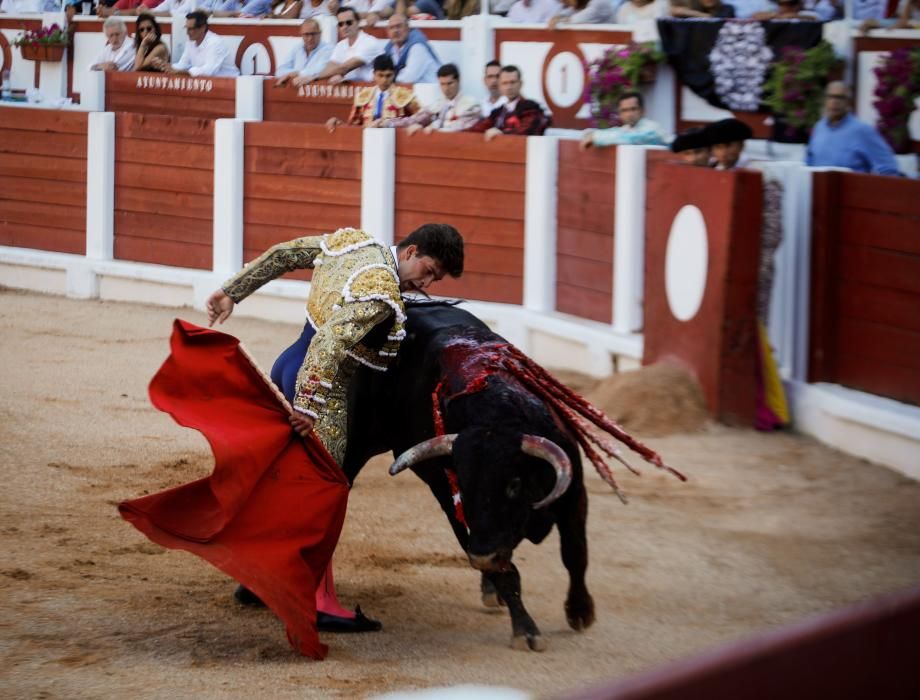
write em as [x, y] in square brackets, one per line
[53, 54]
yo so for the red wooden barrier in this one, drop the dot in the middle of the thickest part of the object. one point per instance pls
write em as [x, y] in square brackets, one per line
[865, 303]
[43, 179]
[299, 180]
[718, 342]
[156, 93]
[311, 104]
[164, 184]
[584, 238]
[477, 187]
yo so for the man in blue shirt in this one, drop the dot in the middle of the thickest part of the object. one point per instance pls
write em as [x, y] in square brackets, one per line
[307, 58]
[841, 140]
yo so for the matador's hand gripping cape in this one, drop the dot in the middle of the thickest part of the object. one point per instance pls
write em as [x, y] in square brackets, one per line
[271, 512]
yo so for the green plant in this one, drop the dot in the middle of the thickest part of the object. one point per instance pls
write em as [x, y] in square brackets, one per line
[54, 35]
[795, 88]
[619, 70]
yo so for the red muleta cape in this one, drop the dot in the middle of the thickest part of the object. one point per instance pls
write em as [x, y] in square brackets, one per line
[271, 512]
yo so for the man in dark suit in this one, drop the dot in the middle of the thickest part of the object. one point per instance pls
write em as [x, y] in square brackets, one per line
[517, 115]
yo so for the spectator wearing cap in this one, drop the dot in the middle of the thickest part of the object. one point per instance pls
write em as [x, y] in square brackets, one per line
[205, 52]
[118, 52]
[635, 131]
[353, 57]
[413, 57]
[841, 140]
[693, 147]
[381, 104]
[726, 138]
[452, 112]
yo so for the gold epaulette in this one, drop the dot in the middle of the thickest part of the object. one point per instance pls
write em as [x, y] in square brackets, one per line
[345, 240]
[401, 96]
[364, 95]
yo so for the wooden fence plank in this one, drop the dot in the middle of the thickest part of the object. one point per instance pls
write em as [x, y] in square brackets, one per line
[70, 170]
[48, 215]
[484, 230]
[59, 145]
[506, 177]
[483, 287]
[164, 127]
[145, 201]
[163, 178]
[150, 250]
[585, 244]
[28, 189]
[587, 274]
[303, 163]
[44, 120]
[584, 303]
[329, 217]
[880, 230]
[885, 345]
[880, 267]
[197, 107]
[174, 154]
[165, 228]
[283, 188]
[462, 147]
[877, 193]
[466, 201]
[889, 307]
[302, 136]
[29, 235]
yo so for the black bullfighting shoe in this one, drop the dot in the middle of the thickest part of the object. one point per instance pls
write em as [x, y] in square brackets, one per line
[359, 623]
[246, 597]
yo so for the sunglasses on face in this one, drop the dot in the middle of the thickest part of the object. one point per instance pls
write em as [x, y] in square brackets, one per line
[144, 30]
[346, 22]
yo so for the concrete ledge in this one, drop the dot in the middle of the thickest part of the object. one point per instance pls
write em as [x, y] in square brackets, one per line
[868, 426]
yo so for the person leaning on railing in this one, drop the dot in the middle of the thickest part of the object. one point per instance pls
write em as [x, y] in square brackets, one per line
[584, 12]
[307, 58]
[117, 54]
[149, 48]
[205, 53]
[713, 9]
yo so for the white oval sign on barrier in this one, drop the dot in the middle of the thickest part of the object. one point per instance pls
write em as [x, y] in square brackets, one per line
[565, 79]
[686, 263]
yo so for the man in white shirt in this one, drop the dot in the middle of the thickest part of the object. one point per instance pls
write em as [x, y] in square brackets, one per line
[205, 52]
[353, 57]
[415, 60]
[118, 52]
[534, 11]
[495, 99]
[307, 58]
[636, 130]
[176, 8]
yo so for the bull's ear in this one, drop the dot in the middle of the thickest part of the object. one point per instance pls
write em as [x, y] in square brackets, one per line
[514, 489]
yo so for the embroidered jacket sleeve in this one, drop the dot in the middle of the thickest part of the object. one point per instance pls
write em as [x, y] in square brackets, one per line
[465, 113]
[527, 119]
[373, 296]
[298, 254]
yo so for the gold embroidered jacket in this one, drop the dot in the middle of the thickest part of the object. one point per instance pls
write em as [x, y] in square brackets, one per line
[355, 287]
[398, 102]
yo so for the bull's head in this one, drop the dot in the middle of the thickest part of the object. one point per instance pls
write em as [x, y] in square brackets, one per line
[501, 484]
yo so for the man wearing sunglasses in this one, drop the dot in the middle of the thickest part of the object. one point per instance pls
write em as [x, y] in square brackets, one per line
[353, 57]
[307, 58]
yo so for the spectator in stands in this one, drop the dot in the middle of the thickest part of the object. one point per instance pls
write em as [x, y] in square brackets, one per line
[219, 8]
[176, 8]
[702, 8]
[306, 59]
[127, 7]
[376, 106]
[118, 52]
[747, 9]
[21, 7]
[788, 9]
[518, 116]
[584, 12]
[726, 139]
[314, 8]
[636, 130]
[415, 60]
[490, 78]
[149, 48]
[633, 11]
[353, 57]
[285, 9]
[458, 9]
[205, 53]
[534, 11]
[839, 139]
[452, 112]
[693, 147]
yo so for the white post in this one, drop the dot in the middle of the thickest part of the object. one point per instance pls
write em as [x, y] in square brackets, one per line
[378, 187]
[802, 272]
[100, 186]
[629, 239]
[52, 81]
[228, 196]
[477, 37]
[92, 96]
[249, 97]
[540, 223]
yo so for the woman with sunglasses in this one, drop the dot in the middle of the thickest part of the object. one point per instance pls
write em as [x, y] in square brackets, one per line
[149, 48]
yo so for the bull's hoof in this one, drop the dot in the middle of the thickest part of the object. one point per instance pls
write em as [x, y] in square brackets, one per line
[580, 614]
[525, 642]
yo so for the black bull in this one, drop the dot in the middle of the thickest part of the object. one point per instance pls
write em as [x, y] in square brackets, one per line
[497, 428]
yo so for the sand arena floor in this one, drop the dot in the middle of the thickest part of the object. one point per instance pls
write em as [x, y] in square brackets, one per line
[770, 528]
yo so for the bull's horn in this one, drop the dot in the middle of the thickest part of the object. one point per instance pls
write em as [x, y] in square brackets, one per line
[440, 446]
[540, 447]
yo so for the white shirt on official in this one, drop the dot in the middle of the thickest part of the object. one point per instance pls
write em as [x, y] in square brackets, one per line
[535, 12]
[209, 58]
[21, 7]
[488, 106]
[420, 66]
[366, 48]
[122, 57]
